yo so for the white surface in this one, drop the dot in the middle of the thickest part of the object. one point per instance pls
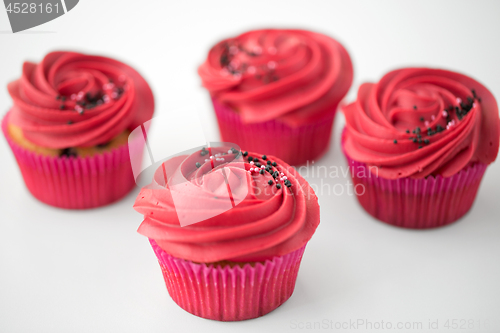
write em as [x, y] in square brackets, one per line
[89, 271]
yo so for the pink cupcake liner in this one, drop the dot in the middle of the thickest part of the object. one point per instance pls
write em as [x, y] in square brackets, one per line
[229, 293]
[75, 183]
[293, 145]
[416, 203]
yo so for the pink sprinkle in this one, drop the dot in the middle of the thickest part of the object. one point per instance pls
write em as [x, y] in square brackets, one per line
[473, 105]
[73, 97]
[433, 117]
[108, 86]
[233, 49]
[262, 167]
[257, 49]
[106, 99]
[252, 163]
[272, 50]
[444, 114]
[282, 174]
[271, 64]
[79, 109]
[251, 70]
[114, 95]
[285, 178]
[459, 100]
[229, 151]
[426, 123]
[211, 157]
[234, 63]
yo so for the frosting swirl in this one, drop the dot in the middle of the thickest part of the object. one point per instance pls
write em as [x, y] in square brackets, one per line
[76, 100]
[294, 75]
[417, 122]
[267, 220]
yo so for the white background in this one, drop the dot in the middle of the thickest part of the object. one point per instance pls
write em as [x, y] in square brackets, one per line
[89, 271]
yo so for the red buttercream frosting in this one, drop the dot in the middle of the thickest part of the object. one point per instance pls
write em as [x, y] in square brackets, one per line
[417, 122]
[266, 221]
[76, 100]
[296, 76]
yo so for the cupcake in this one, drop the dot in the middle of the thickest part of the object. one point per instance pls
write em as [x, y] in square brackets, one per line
[229, 232]
[418, 143]
[277, 91]
[69, 124]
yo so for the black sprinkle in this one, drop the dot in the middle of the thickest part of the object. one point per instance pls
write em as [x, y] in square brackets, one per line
[414, 140]
[426, 141]
[414, 107]
[68, 152]
[439, 128]
[474, 93]
[63, 98]
[58, 97]
[250, 158]
[264, 157]
[274, 164]
[245, 154]
[395, 141]
[261, 171]
[257, 164]
[278, 186]
[224, 60]
[255, 159]
[417, 129]
[268, 162]
[198, 164]
[61, 107]
[103, 145]
[69, 122]
[421, 118]
[419, 147]
[408, 131]
[270, 182]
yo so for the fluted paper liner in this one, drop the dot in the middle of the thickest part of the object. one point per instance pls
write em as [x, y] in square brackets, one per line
[75, 182]
[229, 293]
[417, 203]
[293, 145]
